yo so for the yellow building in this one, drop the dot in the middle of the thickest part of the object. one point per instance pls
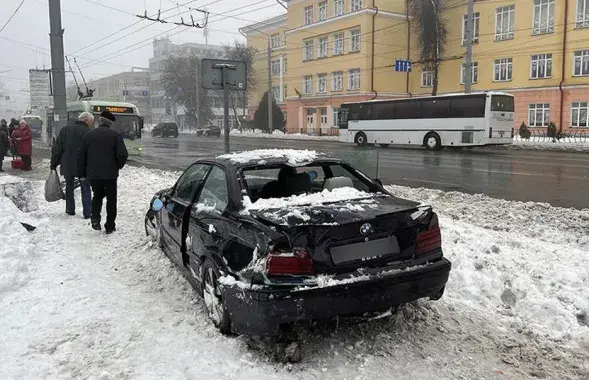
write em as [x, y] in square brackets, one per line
[328, 52]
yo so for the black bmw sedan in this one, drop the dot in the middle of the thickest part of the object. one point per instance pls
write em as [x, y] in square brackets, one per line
[272, 237]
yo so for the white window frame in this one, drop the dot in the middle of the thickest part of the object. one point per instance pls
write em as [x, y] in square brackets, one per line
[338, 8]
[336, 113]
[355, 40]
[276, 94]
[476, 20]
[355, 5]
[500, 13]
[474, 69]
[322, 11]
[322, 83]
[427, 78]
[275, 67]
[581, 62]
[579, 107]
[275, 41]
[337, 81]
[284, 61]
[323, 47]
[582, 14]
[543, 9]
[308, 15]
[338, 38]
[354, 79]
[505, 64]
[308, 46]
[541, 61]
[538, 109]
[308, 84]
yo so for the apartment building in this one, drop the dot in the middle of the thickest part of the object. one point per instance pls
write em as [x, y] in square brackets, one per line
[345, 50]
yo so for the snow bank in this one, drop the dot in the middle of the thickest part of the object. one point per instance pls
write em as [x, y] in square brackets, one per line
[293, 156]
[545, 143]
[281, 135]
[19, 191]
[313, 199]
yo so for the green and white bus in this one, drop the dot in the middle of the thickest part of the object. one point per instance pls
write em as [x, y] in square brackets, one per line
[129, 122]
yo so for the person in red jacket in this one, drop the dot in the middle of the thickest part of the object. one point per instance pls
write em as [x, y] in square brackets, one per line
[22, 138]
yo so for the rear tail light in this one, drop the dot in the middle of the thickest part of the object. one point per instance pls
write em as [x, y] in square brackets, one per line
[428, 241]
[490, 132]
[512, 132]
[297, 262]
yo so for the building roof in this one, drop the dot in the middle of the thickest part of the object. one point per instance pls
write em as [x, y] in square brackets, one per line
[266, 25]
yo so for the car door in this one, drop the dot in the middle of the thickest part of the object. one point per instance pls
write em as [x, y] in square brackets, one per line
[176, 206]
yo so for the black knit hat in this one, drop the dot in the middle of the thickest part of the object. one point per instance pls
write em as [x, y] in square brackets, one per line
[108, 115]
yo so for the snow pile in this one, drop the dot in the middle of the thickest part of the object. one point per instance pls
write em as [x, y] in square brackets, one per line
[314, 199]
[546, 143]
[292, 156]
[281, 135]
[19, 191]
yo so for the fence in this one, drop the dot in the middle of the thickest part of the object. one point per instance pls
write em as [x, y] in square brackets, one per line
[568, 136]
[329, 131]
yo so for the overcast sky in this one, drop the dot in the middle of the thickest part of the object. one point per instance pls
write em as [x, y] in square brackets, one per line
[24, 43]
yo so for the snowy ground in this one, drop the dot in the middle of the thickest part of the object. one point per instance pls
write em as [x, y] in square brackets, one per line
[79, 304]
[544, 143]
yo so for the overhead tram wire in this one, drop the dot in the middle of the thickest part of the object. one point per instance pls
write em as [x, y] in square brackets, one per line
[12, 16]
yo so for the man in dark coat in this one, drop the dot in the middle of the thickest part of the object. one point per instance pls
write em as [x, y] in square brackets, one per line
[4, 142]
[13, 125]
[102, 155]
[65, 155]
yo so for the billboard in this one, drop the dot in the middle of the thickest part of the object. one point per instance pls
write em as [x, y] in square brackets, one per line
[40, 87]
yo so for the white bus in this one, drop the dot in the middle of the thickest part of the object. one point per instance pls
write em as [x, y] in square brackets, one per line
[434, 121]
[128, 121]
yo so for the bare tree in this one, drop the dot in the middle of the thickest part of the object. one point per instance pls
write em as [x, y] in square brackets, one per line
[432, 32]
[239, 51]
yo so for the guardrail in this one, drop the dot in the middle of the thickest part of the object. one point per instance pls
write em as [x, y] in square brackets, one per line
[568, 136]
[329, 131]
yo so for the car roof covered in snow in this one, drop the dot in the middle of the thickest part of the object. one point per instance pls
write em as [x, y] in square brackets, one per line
[262, 157]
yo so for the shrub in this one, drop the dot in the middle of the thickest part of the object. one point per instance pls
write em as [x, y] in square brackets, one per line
[524, 131]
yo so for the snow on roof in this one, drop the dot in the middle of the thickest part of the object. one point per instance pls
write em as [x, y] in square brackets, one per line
[336, 195]
[292, 156]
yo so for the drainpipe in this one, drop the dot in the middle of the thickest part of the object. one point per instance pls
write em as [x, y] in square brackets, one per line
[372, 58]
[408, 46]
[562, 72]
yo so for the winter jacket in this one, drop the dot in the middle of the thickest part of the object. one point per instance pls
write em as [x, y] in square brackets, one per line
[22, 140]
[4, 141]
[12, 127]
[65, 150]
[102, 155]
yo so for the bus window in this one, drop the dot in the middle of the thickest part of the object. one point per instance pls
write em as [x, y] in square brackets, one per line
[343, 117]
[502, 103]
[359, 111]
[383, 110]
[435, 108]
[468, 106]
[408, 109]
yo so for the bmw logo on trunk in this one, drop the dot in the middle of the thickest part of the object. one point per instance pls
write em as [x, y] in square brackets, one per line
[366, 228]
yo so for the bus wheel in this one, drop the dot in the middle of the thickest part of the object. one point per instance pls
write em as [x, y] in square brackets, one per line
[360, 139]
[432, 141]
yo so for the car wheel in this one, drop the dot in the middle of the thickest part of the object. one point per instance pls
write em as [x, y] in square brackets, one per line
[432, 141]
[212, 297]
[153, 227]
[361, 139]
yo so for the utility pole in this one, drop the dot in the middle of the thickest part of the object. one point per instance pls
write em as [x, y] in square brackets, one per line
[57, 67]
[270, 126]
[469, 37]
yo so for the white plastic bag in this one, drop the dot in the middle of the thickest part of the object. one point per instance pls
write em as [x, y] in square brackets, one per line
[53, 191]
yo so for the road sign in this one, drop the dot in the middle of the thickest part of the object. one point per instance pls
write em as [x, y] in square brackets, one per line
[403, 65]
[219, 74]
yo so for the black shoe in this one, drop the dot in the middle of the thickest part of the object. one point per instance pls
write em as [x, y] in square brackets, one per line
[86, 217]
[110, 231]
[96, 225]
[70, 213]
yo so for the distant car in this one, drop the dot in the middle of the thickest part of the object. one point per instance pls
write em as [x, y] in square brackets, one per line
[274, 237]
[165, 130]
[211, 131]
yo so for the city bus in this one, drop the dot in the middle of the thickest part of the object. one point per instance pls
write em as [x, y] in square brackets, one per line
[458, 120]
[129, 123]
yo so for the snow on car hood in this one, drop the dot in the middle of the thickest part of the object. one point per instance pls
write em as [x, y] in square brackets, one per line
[293, 157]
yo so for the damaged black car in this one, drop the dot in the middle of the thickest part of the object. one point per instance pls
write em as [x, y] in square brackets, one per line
[271, 237]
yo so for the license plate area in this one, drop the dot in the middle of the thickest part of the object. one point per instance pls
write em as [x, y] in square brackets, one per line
[365, 250]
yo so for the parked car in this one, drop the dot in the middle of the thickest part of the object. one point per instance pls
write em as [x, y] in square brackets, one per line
[211, 131]
[165, 130]
[274, 237]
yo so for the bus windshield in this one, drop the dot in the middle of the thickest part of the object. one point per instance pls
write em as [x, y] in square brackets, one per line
[126, 125]
[502, 103]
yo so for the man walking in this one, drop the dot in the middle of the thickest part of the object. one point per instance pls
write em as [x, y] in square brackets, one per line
[65, 155]
[101, 156]
[4, 142]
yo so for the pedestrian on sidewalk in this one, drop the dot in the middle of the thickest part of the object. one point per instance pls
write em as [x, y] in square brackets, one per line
[102, 155]
[64, 154]
[4, 142]
[24, 148]
[13, 125]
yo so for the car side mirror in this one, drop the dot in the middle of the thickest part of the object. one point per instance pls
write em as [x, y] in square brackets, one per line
[157, 205]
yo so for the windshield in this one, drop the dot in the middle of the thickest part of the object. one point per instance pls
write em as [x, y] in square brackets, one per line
[126, 125]
[502, 103]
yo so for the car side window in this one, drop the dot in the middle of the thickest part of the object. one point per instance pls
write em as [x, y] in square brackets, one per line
[214, 192]
[189, 182]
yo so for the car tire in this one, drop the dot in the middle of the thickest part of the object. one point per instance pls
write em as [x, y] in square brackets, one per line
[361, 140]
[432, 141]
[214, 304]
[153, 228]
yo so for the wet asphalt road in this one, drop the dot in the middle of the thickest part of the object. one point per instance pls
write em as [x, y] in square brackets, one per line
[561, 179]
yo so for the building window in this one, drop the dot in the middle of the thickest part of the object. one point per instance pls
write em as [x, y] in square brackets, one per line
[541, 66]
[538, 115]
[337, 81]
[354, 40]
[275, 40]
[503, 70]
[504, 19]
[474, 69]
[307, 50]
[427, 78]
[581, 63]
[309, 15]
[322, 47]
[336, 116]
[582, 13]
[275, 67]
[308, 84]
[338, 8]
[321, 83]
[356, 5]
[354, 79]
[579, 112]
[322, 10]
[338, 44]
[543, 17]
[476, 18]
[276, 94]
